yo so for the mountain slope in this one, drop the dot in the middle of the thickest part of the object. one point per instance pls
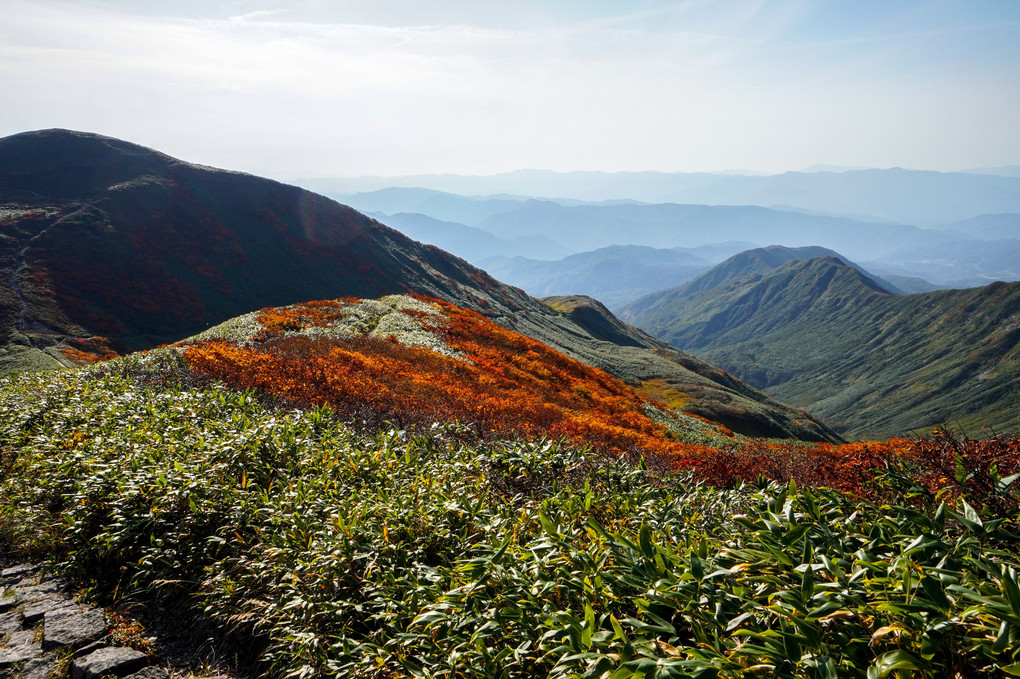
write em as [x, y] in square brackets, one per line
[103, 235]
[106, 246]
[819, 334]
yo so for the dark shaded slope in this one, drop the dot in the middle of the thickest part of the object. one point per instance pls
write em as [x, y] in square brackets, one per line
[102, 238]
[151, 249]
[819, 334]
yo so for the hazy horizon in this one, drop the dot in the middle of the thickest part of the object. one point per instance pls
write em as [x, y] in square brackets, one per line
[309, 88]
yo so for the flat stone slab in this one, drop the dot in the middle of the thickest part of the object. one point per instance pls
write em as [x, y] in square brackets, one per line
[19, 571]
[15, 654]
[39, 668]
[23, 637]
[119, 662]
[35, 612]
[71, 631]
[150, 672]
[28, 591]
[10, 622]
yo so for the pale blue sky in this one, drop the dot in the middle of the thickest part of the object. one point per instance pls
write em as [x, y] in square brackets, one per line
[316, 87]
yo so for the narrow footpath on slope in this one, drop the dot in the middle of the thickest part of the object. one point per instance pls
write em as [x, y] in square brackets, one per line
[48, 633]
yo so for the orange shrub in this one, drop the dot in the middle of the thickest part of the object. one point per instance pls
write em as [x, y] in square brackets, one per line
[509, 384]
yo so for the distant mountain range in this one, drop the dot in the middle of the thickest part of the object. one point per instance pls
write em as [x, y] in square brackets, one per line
[473, 244]
[614, 275]
[108, 246]
[967, 253]
[955, 264]
[895, 195]
[586, 227]
[822, 334]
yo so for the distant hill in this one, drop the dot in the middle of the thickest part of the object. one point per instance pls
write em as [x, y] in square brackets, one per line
[106, 246]
[474, 245]
[896, 194]
[1001, 171]
[956, 264]
[989, 227]
[447, 207]
[590, 227]
[909, 285]
[761, 260]
[614, 275]
[820, 334]
[561, 225]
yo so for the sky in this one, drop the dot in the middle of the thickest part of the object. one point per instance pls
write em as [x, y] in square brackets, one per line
[396, 87]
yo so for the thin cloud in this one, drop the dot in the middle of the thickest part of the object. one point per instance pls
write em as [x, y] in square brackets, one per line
[673, 86]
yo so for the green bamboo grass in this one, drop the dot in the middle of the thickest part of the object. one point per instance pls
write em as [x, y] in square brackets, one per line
[335, 551]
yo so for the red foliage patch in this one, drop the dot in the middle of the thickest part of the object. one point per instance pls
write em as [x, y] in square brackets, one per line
[512, 385]
[84, 350]
[509, 384]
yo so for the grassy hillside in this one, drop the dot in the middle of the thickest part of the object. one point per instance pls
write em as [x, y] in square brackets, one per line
[818, 334]
[276, 511]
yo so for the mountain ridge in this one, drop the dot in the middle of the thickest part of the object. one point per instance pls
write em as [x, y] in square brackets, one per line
[125, 257]
[819, 334]
[891, 194]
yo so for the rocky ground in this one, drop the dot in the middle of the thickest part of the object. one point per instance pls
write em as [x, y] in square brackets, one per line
[47, 633]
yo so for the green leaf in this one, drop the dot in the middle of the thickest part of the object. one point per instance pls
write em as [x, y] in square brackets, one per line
[940, 517]
[891, 661]
[971, 513]
[933, 589]
[807, 583]
[618, 628]
[1002, 485]
[645, 541]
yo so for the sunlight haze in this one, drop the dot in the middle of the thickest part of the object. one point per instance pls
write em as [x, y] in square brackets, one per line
[395, 87]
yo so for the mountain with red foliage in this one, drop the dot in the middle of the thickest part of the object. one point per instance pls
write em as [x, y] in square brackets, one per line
[108, 247]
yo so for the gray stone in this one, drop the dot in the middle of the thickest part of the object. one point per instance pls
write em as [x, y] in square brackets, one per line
[15, 654]
[23, 637]
[10, 622]
[151, 672]
[71, 631]
[33, 591]
[88, 648]
[39, 668]
[8, 602]
[119, 662]
[35, 611]
[19, 571]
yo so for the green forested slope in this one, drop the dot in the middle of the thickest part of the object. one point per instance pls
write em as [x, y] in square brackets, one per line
[820, 335]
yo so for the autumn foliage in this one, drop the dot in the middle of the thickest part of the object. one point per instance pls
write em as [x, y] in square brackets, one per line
[501, 383]
[506, 384]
